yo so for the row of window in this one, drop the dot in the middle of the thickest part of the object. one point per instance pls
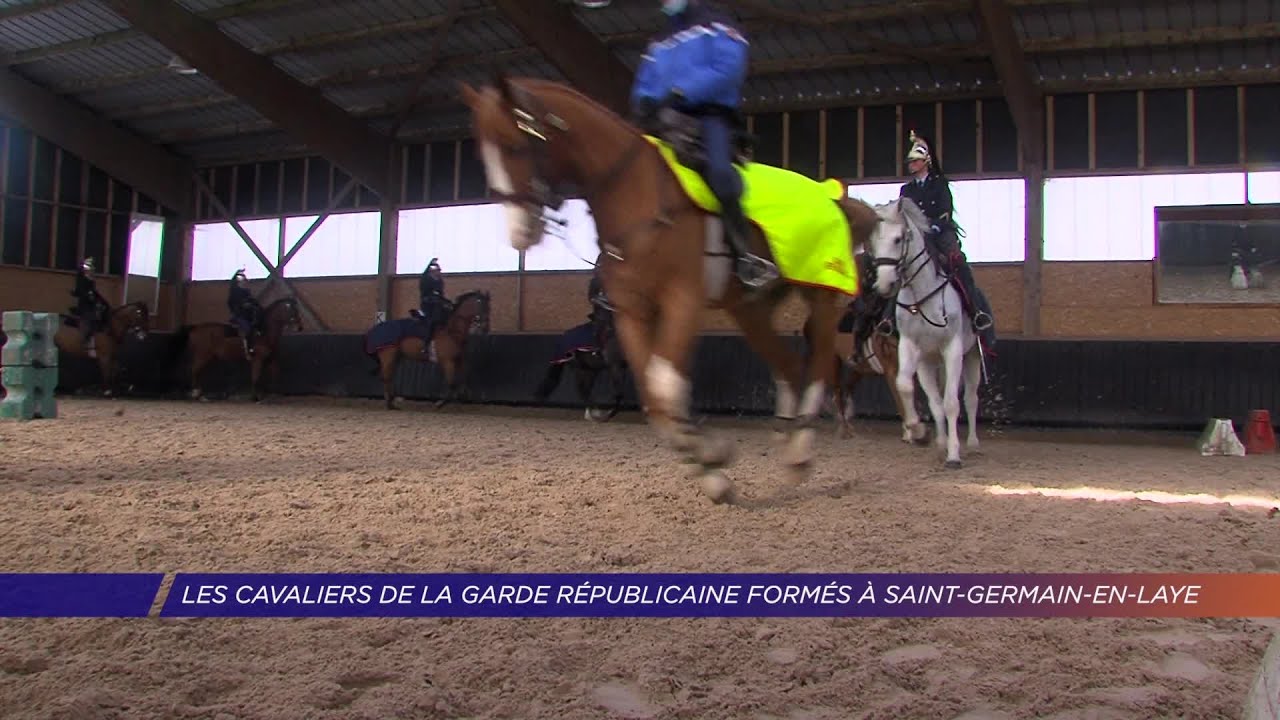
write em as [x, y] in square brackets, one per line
[1085, 218]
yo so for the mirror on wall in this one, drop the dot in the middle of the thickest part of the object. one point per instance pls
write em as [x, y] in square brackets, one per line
[142, 276]
[1216, 255]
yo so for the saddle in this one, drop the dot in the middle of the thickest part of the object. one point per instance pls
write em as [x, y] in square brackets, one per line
[684, 133]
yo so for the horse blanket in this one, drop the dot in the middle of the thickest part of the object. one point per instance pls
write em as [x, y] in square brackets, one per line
[580, 338]
[390, 332]
[805, 227]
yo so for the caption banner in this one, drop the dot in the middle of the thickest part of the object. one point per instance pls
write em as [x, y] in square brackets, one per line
[642, 595]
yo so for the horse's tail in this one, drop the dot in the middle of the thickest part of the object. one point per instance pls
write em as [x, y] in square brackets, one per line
[550, 381]
[177, 344]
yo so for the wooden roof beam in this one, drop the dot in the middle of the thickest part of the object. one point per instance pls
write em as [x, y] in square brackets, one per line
[121, 154]
[1026, 102]
[571, 48]
[300, 110]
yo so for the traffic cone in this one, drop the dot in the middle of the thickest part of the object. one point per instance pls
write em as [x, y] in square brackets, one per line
[1219, 438]
[1259, 437]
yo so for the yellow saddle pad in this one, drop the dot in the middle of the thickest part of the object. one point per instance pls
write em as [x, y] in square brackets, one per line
[805, 228]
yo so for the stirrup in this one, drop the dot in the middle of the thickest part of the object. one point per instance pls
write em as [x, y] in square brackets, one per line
[981, 321]
[755, 271]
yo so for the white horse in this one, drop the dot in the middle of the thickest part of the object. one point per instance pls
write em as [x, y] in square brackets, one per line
[934, 332]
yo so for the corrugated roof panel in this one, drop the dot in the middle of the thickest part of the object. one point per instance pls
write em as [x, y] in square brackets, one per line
[239, 146]
[371, 95]
[326, 16]
[167, 88]
[58, 24]
[96, 63]
[388, 51]
[212, 117]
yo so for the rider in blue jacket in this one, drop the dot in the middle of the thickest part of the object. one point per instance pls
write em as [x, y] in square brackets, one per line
[697, 67]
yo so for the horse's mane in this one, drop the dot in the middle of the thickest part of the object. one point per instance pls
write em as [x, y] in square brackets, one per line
[470, 294]
[542, 85]
[909, 212]
[276, 303]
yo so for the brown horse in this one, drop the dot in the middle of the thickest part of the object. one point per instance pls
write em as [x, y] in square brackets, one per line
[390, 340]
[132, 319]
[664, 258]
[213, 341]
[879, 357]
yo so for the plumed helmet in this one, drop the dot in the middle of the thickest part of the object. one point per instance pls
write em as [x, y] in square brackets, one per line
[87, 264]
[240, 274]
[435, 263]
[919, 149]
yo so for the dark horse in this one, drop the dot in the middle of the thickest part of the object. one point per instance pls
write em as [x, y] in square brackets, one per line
[132, 319]
[212, 341]
[390, 339]
[589, 348]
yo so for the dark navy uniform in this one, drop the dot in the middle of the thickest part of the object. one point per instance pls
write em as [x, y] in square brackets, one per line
[245, 310]
[697, 66]
[90, 304]
[431, 300]
[932, 193]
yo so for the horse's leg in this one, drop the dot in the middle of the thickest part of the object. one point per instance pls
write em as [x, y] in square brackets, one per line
[928, 373]
[585, 378]
[106, 366]
[617, 380]
[550, 381]
[448, 361]
[756, 322]
[972, 376]
[821, 376]
[908, 360]
[198, 363]
[887, 354]
[255, 375]
[388, 358]
[953, 364]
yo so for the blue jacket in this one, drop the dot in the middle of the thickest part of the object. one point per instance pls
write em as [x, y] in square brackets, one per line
[702, 55]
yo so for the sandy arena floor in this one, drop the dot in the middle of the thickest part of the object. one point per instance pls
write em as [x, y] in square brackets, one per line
[318, 485]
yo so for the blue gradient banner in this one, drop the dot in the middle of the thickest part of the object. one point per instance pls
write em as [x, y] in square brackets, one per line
[78, 595]
[712, 595]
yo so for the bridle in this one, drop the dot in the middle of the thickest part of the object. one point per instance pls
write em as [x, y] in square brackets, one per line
[906, 275]
[535, 123]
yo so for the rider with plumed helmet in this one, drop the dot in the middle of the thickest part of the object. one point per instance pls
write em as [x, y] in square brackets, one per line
[697, 66]
[930, 189]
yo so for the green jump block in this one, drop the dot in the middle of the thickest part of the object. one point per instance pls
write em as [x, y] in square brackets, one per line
[28, 393]
[29, 339]
[35, 324]
[25, 377]
[25, 405]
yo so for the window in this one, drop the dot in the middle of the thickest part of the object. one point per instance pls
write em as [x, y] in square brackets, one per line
[991, 212]
[576, 250]
[144, 247]
[343, 244]
[218, 251]
[1264, 187]
[876, 194]
[993, 216]
[1113, 217]
[465, 238]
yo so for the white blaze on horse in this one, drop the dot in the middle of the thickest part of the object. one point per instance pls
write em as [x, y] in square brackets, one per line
[936, 340]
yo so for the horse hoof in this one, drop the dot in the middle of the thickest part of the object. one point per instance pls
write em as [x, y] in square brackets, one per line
[798, 473]
[716, 452]
[953, 465]
[718, 487]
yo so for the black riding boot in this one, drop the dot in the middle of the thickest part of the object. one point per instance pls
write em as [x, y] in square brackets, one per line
[978, 308]
[752, 269]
